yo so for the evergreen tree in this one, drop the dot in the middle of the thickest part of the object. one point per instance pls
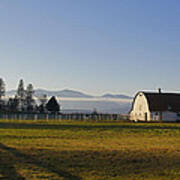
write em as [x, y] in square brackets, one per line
[43, 100]
[29, 97]
[30, 91]
[13, 104]
[2, 88]
[20, 90]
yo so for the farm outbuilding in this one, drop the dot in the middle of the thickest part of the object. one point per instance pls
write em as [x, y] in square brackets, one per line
[155, 106]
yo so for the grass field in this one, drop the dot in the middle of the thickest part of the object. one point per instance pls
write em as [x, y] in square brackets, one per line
[88, 150]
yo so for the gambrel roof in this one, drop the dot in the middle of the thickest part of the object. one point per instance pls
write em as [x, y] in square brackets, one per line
[163, 101]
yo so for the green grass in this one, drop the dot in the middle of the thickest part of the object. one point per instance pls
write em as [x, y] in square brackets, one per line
[88, 150]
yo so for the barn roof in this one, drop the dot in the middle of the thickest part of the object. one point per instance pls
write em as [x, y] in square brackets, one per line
[163, 101]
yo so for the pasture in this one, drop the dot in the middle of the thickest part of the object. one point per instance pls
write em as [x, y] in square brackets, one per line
[70, 150]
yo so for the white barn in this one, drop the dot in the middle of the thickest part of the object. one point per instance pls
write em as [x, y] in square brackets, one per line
[152, 106]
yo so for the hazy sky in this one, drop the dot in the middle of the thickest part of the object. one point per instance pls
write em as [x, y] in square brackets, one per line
[96, 46]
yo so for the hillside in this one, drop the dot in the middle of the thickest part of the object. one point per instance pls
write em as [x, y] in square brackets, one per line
[71, 93]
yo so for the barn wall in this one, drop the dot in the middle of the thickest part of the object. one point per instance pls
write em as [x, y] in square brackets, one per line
[140, 108]
[169, 116]
[166, 116]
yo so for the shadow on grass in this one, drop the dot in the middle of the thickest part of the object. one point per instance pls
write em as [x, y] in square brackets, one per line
[74, 127]
[107, 164]
[10, 173]
[7, 169]
[110, 164]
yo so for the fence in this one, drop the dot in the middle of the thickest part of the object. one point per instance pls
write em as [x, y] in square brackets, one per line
[72, 116]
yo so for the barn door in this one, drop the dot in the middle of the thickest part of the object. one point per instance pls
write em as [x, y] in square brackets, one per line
[146, 118]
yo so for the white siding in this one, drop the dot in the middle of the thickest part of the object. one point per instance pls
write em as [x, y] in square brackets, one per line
[140, 109]
[166, 116]
[169, 116]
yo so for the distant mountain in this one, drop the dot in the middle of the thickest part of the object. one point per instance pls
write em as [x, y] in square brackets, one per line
[120, 96]
[62, 93]
[11, 93]
[70, 94]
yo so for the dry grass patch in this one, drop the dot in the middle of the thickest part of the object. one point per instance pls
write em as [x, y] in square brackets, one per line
[88, 150]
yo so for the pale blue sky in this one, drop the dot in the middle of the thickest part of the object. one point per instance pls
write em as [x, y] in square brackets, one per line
[96, 46]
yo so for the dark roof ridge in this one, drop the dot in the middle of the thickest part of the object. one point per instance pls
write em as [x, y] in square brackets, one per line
[162, 93]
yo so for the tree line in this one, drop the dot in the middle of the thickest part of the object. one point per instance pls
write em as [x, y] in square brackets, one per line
[24, 100]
